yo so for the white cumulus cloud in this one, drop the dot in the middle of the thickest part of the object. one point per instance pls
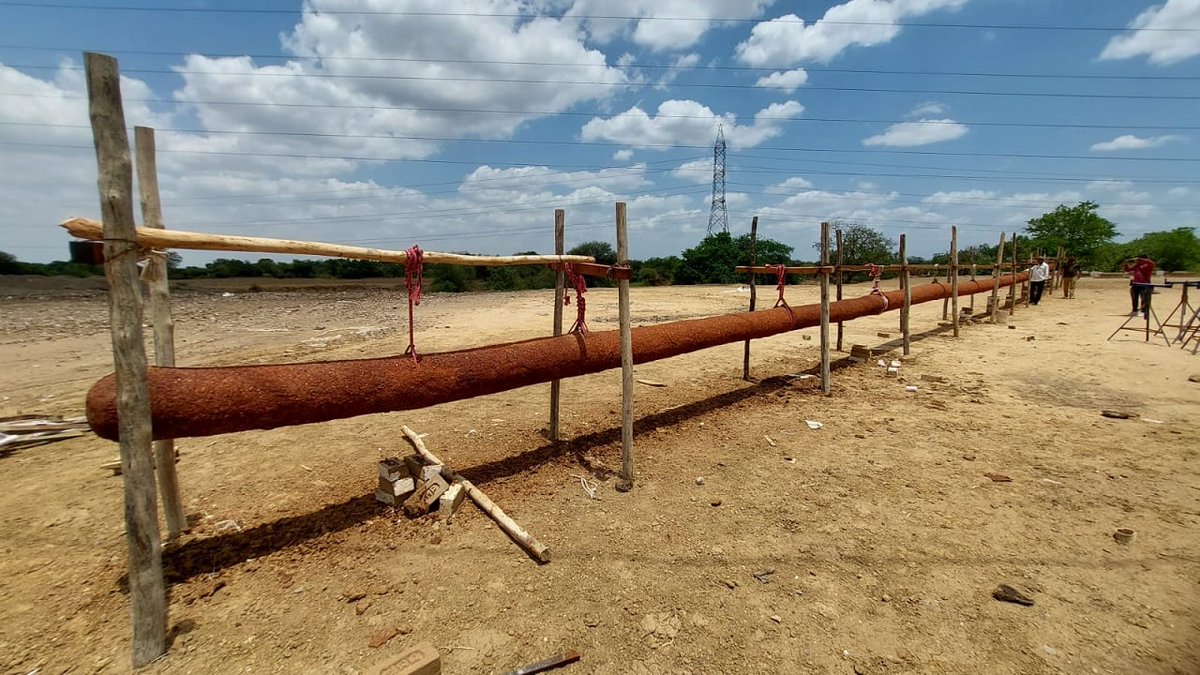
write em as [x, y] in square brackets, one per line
[1155, 33]
[659, 25]
[1131, 142]
[788, 81]
[788, 40]
[921, 132]
[685, 123]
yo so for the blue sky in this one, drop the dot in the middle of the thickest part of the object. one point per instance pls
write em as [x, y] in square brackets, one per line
[462, 124]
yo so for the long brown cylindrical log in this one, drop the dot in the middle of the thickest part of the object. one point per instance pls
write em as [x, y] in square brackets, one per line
[207, 401]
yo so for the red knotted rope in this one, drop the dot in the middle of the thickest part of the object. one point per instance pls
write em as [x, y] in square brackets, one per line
[781, 278]
[579, 283]
[414, 269]
[875, 272]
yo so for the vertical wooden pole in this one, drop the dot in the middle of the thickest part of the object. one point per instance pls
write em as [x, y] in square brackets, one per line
[841, 259]
[826, 385]
[753, 295]
[906, 284]
[147, 592]
[164, 325]
[997, 272]
[974, 270]
[1014, 289]
[626, 481]
[560, 227]
[954, 277]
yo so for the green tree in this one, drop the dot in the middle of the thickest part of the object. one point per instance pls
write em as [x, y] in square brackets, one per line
[766, 251]
[862, 245]
[1078, 229]
[9, 264]
[602, 251]
[657, 271]
[709, 262]
[1175, 250]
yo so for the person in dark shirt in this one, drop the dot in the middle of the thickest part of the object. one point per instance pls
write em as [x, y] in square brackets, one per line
[1141, 273]
[1070, 272]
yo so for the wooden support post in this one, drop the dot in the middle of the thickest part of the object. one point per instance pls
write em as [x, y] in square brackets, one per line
[753, 295]
[1016, 288]
[147, 591]
[997, 271]
[906, 284]
[826, 385]
[626, 480]
[974, 270]
[164, 325]
[560, 226]
[840, 277]
[954, 278]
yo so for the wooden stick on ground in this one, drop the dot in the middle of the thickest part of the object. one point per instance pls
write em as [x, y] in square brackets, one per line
[535, 548]
[626, 481]
[84, 228]
[164, 325]
[147, 590]
[560, 224]
[753, 296]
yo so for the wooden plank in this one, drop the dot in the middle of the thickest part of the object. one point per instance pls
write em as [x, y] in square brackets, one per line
[954, 278]
[626, 480]
[164, 325]
[603, 271]
[814, 270]
[527, 541]
[826, 384]
[906, 284]
[753, 295]
[560, 227]
[147, 590]
[84, 228]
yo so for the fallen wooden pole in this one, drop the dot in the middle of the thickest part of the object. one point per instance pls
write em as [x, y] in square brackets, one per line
[209, 401]
[147, 589]
[527, 541]
[164, 326]
[84, 228]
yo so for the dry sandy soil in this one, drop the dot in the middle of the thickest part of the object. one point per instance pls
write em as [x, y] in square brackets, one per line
[884, 535]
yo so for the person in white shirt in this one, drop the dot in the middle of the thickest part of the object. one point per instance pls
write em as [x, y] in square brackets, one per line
[1038, 274]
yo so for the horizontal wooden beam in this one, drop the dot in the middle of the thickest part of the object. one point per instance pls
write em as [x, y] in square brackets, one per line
[602, 271]
[813, 270]
[84, 228]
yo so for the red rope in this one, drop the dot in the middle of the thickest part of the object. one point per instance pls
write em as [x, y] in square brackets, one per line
[579, 283]
[875, 272]
[781, 278]
[414, 268]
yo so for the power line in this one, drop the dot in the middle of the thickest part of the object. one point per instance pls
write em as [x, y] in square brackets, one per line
[629, 65]
[590, 17]
[626, 83]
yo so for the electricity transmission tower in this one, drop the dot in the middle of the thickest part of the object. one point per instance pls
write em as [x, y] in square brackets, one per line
[718, 216]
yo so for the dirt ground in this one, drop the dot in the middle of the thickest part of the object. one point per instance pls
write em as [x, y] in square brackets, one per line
[871, 545]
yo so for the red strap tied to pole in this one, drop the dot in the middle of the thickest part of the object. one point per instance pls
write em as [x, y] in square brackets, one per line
[414, 269]
[875, 272]
[781, 278]
[579, 283]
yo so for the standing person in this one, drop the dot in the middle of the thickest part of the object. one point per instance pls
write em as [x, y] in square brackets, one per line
[1070, 272]
[1038, 274]
[1141, 274]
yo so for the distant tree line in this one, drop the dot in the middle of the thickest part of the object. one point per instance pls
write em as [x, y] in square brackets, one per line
[1079, 229]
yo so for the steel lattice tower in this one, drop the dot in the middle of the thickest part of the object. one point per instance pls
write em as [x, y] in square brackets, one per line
[718, 216]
